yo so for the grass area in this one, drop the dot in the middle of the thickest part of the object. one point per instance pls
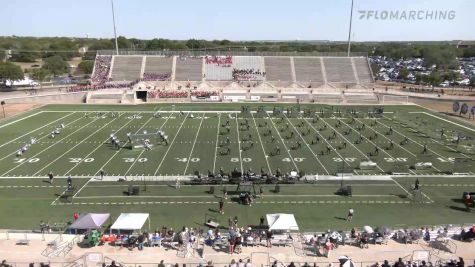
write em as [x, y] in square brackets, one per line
[320, 143]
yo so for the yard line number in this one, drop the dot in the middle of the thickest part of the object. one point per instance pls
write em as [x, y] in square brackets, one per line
[30, 160]
[78, 160]
[132, 160]
[295, 159]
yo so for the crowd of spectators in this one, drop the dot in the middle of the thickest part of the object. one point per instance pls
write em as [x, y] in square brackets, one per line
[247, 74]
[167, 94]
[149, 76]
[223, 61]
[204, 94]
[93, 87]
[101, 69]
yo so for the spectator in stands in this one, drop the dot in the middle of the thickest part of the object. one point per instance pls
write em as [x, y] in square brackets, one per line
[385, 264]
[223, 61]
[292, 264]
[101, 69]
[203, 94]
[399, 263]
[161, 264]
[269, 238]
[149, 76]
[248, 263]
[247, 74]
[460, 262]
[233, 263]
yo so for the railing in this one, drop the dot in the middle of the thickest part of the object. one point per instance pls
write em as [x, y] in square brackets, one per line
[436, 261]
[201, 53]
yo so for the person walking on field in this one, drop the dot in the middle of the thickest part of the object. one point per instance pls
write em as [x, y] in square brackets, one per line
[221, 206]
[350, 214]
[51, 177]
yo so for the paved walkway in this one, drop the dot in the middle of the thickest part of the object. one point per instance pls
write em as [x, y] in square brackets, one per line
[376, 253]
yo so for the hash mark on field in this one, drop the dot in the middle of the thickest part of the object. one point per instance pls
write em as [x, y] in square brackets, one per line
[21, 164]
[262, 145]
[239, 142]
[171, 144]
[138, 157]
[28, 133]
[308, 146]
[69, 150]
[194, 143]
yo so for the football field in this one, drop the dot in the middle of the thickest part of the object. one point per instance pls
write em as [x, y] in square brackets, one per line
[320, 143]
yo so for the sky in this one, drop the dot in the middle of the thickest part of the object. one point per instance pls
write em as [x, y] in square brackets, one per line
[241, 19]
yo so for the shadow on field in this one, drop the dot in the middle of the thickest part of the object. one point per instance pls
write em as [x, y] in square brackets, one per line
[457, 200]
[458, 208]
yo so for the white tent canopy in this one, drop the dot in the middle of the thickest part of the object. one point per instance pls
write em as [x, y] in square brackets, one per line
[131, 221]
[282, 221]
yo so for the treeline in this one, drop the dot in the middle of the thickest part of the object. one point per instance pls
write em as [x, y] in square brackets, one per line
[27, 49]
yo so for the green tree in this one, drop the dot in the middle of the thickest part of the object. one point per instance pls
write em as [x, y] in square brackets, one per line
[40, 74]
[10, 71]
[55, 65]
[86, 66]
[435, 79]
[472, 81]
[403, 73]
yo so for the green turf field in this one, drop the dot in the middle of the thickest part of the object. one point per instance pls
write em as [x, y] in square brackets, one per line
[320, 142]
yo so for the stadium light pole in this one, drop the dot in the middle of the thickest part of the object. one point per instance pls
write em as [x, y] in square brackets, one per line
[349, 31]
[115, 32]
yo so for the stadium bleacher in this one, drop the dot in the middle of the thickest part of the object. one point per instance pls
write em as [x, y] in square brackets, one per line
[159, 65]
[188, 69]
[126, 68]
[339, 70]
[308, 69]
[278, 69]
[248, 71]
[362, 70]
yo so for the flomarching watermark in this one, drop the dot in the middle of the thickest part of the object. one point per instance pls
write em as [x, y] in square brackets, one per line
[407, 14]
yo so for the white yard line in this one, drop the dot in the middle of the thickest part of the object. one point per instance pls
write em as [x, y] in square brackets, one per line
[283, 143]
[323, 138]
[262, 145]
[409, 194]
[383, 135]
[47, 148]
[82, 187]
[171, 144]
[141, 153]
[54, 201]
[370, 142]
[308, 146]
[347, 141]
[239, 142]
[46, 135]
[95, 149]
[459, 125]
[213, 197]
[217, 139]
[69, 150]
[446, 146]
[24, 118]
[37, 129]
[194, 143]
[412, 140]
